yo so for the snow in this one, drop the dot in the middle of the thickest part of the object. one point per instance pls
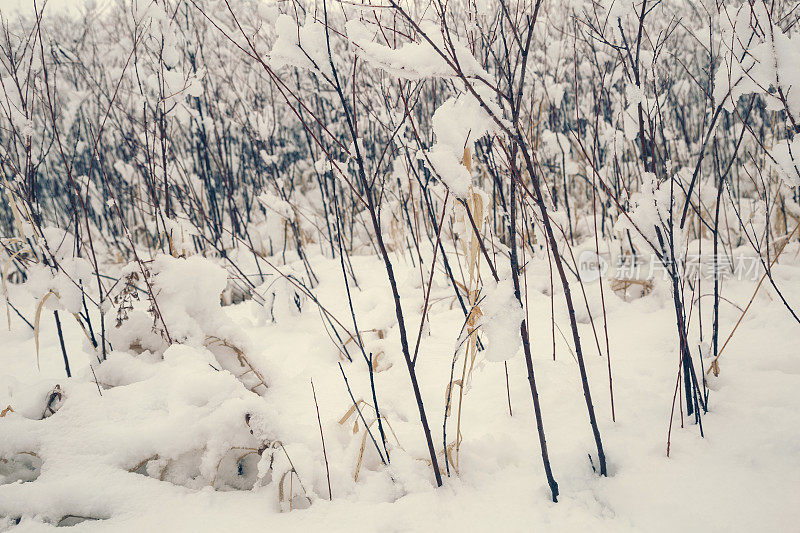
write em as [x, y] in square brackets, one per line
[502, 316]
[458, 124]
[303, 48]
[418, 59]
[449, 166]
[212, 342]
[180, 405]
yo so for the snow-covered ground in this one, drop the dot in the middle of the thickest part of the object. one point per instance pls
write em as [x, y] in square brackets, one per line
[181, 420]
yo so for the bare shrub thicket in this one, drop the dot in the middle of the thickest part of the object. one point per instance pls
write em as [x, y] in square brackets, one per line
[477, 139]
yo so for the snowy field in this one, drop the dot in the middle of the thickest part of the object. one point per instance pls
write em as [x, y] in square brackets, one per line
[744, 475]
[394, 266]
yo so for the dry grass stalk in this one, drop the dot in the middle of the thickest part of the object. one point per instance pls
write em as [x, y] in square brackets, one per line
[241, 357]
[353, 412]
[471, 249]
[37, 321]
[621, 286]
